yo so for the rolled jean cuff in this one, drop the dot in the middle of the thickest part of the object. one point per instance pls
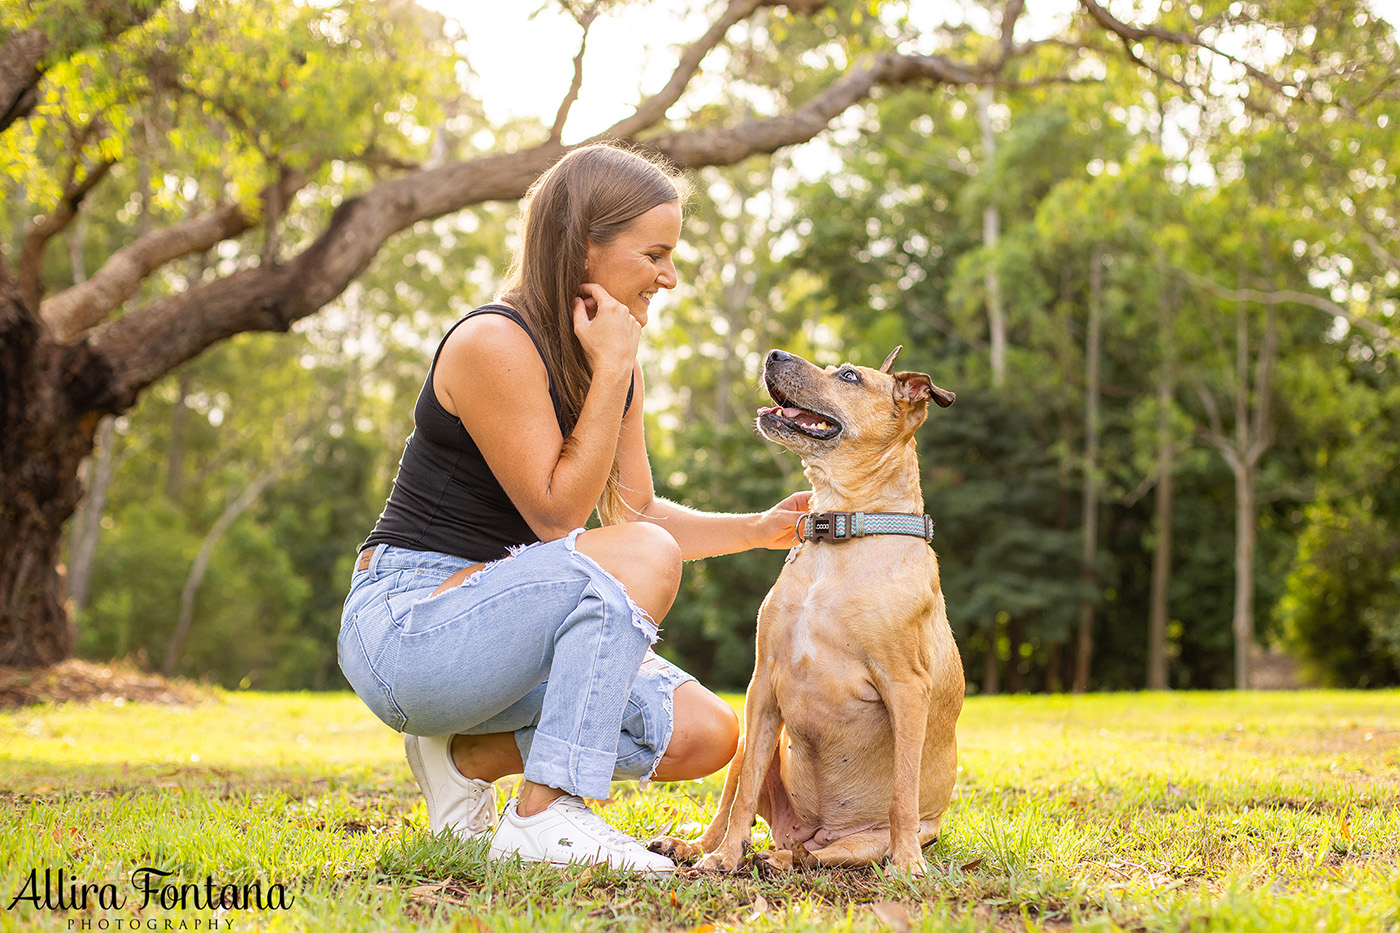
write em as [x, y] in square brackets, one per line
[586, 772]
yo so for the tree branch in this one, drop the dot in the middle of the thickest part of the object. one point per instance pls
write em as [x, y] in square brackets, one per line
[146, 343]
[652, 110]
[30, 273]
[1009, 16]
[20, 74]
[1130, 34]
[585, 21]
[728, 145]
[24, 54]
[1289, 296]
[75, 309]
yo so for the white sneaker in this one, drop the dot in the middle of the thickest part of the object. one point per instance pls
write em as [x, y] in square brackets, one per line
[465, 805]
[567, 831]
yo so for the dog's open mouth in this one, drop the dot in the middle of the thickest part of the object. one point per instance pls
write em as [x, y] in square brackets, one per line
[811, 423]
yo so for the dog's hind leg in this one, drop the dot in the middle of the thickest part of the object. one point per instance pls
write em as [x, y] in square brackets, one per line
[860, 848]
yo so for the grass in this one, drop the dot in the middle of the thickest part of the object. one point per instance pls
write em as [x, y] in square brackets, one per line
[1180, 812]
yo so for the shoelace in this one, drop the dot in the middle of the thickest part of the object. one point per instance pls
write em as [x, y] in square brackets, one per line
[608, 831]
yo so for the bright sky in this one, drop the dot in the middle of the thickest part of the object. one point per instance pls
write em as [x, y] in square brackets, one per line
[524, 62]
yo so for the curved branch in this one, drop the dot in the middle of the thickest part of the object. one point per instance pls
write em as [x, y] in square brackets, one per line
[75, 309]
[21, 59]
[25, 54]
[727, 145]
[652, 110]
[145, 344]
[585, 21]
[1129, 34]
[1290, 296]
[31, 285]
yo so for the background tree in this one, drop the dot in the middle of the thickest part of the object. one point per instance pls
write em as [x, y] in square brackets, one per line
[273, 153]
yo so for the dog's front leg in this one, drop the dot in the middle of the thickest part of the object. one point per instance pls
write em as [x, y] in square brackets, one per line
[687, 850]
[762, 722]
[908, 703]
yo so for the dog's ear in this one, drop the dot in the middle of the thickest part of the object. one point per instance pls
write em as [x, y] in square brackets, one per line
[912, 388]
[889, 360]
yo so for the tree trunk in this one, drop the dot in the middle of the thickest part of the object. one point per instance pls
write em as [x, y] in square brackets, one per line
[991, 236]
[87, 524]
[1015, 680]
[1159, 611]
[1084, 644]
[1246, 532]
[185, 622]
[991, 666]
[47, 432]
[97, 470]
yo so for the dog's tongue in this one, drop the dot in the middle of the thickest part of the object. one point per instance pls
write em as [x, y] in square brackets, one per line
[786, 412]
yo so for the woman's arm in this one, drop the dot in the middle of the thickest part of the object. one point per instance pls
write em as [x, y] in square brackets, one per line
[491, 377]
[700, 534]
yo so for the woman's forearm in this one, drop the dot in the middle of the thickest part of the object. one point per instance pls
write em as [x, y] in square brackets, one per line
[579, 477]
[705, 534]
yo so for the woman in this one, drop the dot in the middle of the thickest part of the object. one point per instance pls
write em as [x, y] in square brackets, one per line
[482, 620]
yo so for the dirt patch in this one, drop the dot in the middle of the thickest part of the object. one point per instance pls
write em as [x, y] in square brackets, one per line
[75, 681]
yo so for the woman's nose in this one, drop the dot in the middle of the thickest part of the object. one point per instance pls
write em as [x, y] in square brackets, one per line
[667, 277]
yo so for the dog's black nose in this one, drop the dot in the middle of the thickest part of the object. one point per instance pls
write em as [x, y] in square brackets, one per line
[779, 356]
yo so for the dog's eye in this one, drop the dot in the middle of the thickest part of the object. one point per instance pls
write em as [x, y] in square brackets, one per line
[850, 375]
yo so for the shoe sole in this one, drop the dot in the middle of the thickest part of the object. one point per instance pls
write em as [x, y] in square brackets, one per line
[502, 856]
[415, 764]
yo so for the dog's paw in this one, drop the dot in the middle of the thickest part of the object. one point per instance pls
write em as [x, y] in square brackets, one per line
[914, 865]
[720, 861]
[677, 850]
[775, 860]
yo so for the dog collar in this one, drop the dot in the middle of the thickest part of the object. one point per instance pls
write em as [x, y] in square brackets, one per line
[843, 526]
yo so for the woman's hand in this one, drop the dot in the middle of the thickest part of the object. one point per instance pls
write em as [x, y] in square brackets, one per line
[778, 525]
[606, 329]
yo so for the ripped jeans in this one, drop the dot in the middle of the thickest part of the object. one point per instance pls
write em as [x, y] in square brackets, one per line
[545, 644]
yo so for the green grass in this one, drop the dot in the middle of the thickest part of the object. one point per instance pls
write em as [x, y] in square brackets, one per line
[1271, 811]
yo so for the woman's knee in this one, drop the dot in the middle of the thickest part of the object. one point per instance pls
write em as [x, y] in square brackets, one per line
[703, 738]
[643, 556]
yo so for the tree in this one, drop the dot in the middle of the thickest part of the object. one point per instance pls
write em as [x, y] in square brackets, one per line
[260, 116]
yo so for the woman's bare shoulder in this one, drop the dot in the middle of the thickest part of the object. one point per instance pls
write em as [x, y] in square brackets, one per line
[484, 337]
[487, 358]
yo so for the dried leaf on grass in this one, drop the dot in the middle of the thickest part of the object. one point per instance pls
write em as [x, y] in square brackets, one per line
[432, 894]
[893, 915]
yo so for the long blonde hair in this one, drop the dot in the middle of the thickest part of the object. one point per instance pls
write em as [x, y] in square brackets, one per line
[588, 196]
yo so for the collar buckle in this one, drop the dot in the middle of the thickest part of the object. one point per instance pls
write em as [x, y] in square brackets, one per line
[832, 526]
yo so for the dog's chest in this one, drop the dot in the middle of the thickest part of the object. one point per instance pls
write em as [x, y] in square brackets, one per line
[812, 627]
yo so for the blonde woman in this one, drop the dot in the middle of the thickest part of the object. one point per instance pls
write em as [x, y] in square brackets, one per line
[482, 620]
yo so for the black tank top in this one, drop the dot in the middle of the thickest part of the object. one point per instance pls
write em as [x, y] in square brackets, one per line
[445, 497]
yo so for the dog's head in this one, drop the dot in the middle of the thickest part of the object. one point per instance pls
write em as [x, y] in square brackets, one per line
[852, 408]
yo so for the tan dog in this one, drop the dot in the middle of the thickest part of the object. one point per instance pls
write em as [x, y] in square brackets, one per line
[849, 751]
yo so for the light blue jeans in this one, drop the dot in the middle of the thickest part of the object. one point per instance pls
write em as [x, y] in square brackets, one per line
[544, 643]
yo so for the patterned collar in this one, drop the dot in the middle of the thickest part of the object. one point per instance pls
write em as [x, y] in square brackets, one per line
[843, 526]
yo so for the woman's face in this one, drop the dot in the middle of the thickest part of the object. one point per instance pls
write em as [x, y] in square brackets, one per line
[637, 263]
